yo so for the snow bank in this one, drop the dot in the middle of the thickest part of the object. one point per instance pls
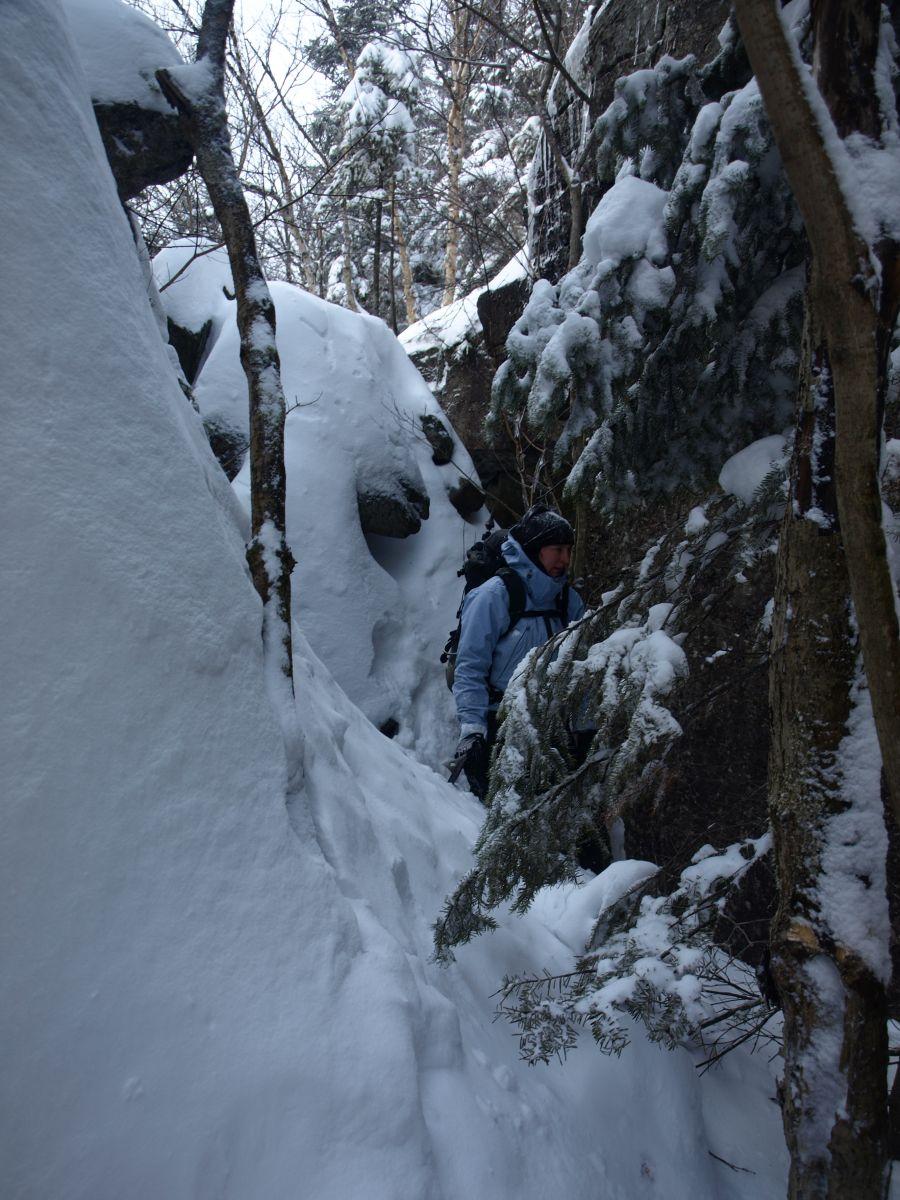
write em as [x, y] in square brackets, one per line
[203, 994]
[120, 50]
[377, 610]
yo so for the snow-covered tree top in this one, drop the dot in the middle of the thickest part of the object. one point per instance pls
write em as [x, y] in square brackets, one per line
[380, 60]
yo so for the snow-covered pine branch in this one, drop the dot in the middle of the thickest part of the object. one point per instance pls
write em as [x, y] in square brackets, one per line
[662, 352]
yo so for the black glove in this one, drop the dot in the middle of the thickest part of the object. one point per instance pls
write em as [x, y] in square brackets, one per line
[472, 757]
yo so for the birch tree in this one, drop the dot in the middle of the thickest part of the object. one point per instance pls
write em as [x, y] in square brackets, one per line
[198, 92]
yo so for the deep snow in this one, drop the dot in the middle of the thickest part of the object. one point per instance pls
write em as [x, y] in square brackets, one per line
[205, 994]
[120, 51]
[377, 609]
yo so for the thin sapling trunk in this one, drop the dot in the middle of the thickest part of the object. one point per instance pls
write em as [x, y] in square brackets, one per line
[198, 92]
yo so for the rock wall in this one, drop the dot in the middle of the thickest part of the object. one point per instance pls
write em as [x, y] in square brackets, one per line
[458, 351]
[460, 364]
[624, 37]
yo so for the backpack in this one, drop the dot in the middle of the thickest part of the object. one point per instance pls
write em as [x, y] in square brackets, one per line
[484, 561]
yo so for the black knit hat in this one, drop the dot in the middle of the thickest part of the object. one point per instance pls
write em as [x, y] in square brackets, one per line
[542, 526]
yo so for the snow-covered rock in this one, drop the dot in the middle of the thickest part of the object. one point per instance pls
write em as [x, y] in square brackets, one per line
[457, 349]
[193, 275]
[360, 474]
[448, 328]
[120, 50]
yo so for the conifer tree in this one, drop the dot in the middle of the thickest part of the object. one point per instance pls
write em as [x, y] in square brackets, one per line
[377, 151]
[661, 353]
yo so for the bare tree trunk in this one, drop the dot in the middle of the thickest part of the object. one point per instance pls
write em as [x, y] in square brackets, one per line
[409, 298]
[858, 306]
[376, 259]
[289, 213]
[455, 143]
[391, 264]
[347, 271]
[832, 994]
[576, 225]
[286, 249]
[831, 975]
[466, 41]
[202, 103]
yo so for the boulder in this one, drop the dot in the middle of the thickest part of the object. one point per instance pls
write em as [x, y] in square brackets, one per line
[623, 38]
[144, 147]
[190, 346]
[121, 50]
[458, 350]
[227, 443]
[498, 310]
[393, 512]
[439, 439]
[498, 472]
[714, 564]
[465, 497]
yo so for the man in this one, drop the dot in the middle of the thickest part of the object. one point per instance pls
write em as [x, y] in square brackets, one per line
[538, 550]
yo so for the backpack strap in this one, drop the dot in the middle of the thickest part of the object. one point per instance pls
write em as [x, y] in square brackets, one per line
[515, 594]
[518, 602]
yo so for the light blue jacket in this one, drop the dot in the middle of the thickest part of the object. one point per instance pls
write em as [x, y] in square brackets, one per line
[488, 653]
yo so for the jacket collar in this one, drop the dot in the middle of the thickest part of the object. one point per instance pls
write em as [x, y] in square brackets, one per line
[541, 588]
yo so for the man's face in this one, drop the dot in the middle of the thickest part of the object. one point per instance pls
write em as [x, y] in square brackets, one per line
[555, 560]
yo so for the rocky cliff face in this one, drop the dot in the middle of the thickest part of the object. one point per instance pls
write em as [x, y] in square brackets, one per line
[458, 350]
[624, 37]
[708, 556]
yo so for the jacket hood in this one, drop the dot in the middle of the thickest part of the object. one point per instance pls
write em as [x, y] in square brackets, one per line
[542, 589]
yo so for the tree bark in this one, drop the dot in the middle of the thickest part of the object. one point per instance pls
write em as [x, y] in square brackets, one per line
[858, 306]
[835, 1009]
[832, 984]
[464, 47]
[391, 264]
[455, 142]
[347, 269]
[409, 297]
[199, 94]
[376, 259]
